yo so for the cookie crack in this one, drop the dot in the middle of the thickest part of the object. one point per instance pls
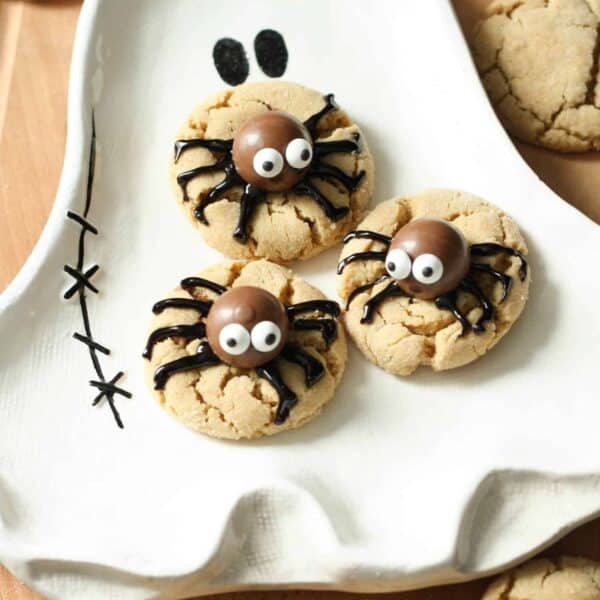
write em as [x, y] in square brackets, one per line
[314, 234]
[511, 92]
[554, 567]
[578, 136]
[510, 584]
[517, 5]
[207, 406]
[590, 96]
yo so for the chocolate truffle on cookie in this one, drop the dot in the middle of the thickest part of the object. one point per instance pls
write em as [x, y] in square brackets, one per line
[245, 350]
[242, 310]
[272, 170]
[442, 258]
[272, 151]
[435, 279]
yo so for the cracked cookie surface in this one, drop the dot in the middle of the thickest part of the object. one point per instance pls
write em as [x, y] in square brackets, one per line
[538, 60]
[407, 332]
[565, 578]
[228, 402]
[285, 226]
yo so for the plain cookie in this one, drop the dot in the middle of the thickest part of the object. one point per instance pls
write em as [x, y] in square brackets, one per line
[284, 225]
[538, 60]
[565, 578]
[228, 402]
[406, 332]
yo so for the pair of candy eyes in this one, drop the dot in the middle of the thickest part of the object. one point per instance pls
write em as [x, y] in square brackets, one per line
[426, 268]
[235, 339]
[269, 162]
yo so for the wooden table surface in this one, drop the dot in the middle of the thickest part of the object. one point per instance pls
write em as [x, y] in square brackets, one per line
[35, 49]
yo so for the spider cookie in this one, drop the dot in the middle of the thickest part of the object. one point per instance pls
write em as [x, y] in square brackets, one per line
[272, 170]
[433, 279]
[245, 349]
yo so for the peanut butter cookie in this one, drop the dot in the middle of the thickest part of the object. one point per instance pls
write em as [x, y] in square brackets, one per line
[245, 349]
[538, 60]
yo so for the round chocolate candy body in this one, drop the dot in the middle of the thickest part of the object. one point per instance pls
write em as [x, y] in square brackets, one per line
[272, 151]
[428, 257]
[247, 327]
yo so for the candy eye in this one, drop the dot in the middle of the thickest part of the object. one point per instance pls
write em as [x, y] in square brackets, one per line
[397, 264]
[299, 153]
[268, 162]
[427, 269]
[234, 339]
[265, 336]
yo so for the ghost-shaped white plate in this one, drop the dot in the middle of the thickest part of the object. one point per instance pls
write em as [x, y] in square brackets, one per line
[401, 482]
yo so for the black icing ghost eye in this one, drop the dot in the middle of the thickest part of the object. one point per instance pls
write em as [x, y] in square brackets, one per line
[265, 336]
[398, 263]
[268, 163]
[234, 339]
[231, 61]
[299, 153]
[271, 52]
[427, 269]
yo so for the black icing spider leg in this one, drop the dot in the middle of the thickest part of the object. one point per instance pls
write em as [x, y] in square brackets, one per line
[193, 282]
[204, 357]
[324, 171]
[248, 203]
[448, 302]
[313, 369]
[363, 288]
[469, 285]
[181, 146]
[333, 212]
[312, 122]
[491, 249]
[392, 290]
[287, 398]
[335, 146]
[196, 330]
[232, 179]
[505, 280]
[363, 234]
[202, 306]
[369, 255]
[326, 306]
[326, 327]
[186, 176]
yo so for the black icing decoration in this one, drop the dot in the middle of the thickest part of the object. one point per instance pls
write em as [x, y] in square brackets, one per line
[230, 61]
[82, 283]
[271, 52]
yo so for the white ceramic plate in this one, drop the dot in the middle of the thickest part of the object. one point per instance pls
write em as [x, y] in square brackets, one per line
[401, 482]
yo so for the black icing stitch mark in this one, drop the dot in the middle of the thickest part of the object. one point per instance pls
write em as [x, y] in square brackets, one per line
[82, 279]
[271, 52]
[231, 61]
[108, 389]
